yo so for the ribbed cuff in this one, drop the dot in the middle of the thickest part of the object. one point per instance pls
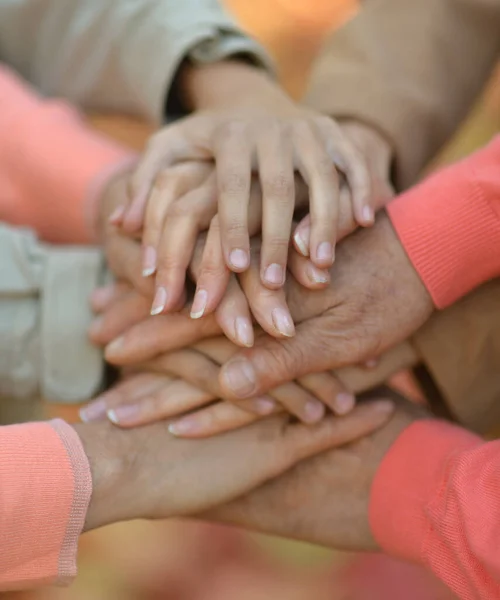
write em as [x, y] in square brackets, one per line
[449, 226]
[411, 475]
[57, 164]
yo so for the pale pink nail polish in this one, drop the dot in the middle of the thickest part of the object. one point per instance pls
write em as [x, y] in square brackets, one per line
[199, 304]
[344, 402]
[159, 301]
[368, 216]
[123, 415]
[239, 259]
[301, 244]
[95, 411]
[148, 261]
[183, 427]
[244, 331]
[274, 274]
[314, 411]
[324, 252]
[283, 322]
[264, 406]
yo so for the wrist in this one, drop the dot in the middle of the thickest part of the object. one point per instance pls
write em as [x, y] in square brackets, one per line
[108, 461]
[230, 84]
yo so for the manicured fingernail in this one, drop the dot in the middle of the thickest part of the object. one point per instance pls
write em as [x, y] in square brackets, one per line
[114, 347]
[95, 411]
[301, 244]
[314, 411]
[95, 327]
[117, 215]
[199, 304]
[123, 415]
[324, 252]
[244, 331]
[264, 406]
[186, 426]
[371, 363]
[101, 296]
[368, 215]
[239, 376]
[239, 259]
[283, 322]
[148, 261]
[317, 275]
[344, 402]
[384, 407]
[274, 274]
[159, 301]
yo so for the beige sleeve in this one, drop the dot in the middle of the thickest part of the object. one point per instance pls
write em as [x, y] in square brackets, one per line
[412, 69]
[44, 316]
[119, 55]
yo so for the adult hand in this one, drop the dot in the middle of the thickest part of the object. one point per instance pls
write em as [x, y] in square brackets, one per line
[324, 500]
[148, 473]
[376, 300]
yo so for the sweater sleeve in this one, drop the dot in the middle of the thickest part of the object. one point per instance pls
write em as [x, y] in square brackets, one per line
[449, 225]
[436, 500]
[52, 167]
[45, 489]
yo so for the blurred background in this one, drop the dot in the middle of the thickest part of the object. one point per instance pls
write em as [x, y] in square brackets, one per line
[193, 561]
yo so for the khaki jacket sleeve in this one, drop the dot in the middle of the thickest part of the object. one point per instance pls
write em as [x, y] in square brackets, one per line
[44, 316]
[119, 55]
[411, 68]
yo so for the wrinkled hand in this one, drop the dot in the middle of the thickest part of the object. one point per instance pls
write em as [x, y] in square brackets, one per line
[148, 473]
[375, 300]
[324, 500]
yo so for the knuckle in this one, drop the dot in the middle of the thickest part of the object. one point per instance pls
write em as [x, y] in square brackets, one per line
[280, 185]
[233, 182]
[232, 128]
[277, 245]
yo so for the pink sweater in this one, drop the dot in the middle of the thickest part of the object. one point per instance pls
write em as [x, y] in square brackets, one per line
[52, 169]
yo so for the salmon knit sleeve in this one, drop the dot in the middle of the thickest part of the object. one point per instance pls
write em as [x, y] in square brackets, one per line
[53, 167]
[45, 489]
[436, 501]
[449, 225]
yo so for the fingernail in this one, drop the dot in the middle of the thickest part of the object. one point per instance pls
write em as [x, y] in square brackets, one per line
[274, 274]
[317, 275]
[368, 215]
[244, 331]
[371, 363]
[96, 326]
[283, 322]
[184, 427]
[325, 252]
[114, 347]
[239, 259]
[314, 411]
[383, 407]
[264, 406]
[148, 261]
[199, 304]
[95, 411]
[122, 415]
[239, 376]
[159, 301]
[117, 215]
[344, 402]
[101, 296]
[301, 244]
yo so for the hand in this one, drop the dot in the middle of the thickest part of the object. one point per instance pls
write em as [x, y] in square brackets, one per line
[147, 473]
[376, 300]
[324, 500]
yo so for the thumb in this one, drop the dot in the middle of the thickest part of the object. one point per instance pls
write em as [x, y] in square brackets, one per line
[272, 362]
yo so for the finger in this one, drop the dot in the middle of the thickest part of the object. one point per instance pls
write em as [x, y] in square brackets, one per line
[170, 185]
[124, 260]
[275, 160]
[171, 399]
[329, 390]
[306, 273]
[128, 310]
[234, 169]
[268, 307]
[210, 273]
[233, 315]
[154, 336]
[103, 297]
[185, 219]
[316, 167]
[272, 362]
[128, 390]
[354, 167]
[297, 401]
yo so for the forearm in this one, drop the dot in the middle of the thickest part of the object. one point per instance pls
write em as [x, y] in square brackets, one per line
[53, 168]
[435, 500]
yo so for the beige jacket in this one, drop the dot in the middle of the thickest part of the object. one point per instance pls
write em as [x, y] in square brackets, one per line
[107, 55]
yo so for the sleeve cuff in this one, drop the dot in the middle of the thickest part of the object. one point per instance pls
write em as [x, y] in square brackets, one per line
[449, 226]
[57, 163]
[411, 475]
[46, 487]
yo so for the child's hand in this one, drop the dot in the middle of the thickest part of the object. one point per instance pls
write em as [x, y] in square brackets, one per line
[275, 142]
